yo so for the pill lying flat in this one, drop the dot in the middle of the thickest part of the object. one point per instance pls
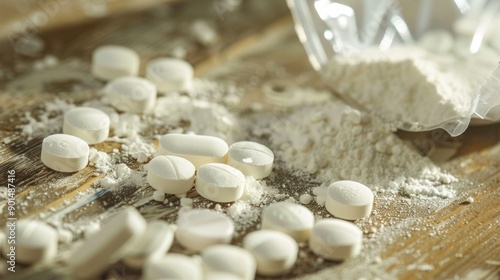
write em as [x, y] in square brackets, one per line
[220, 182]
[198, 149]
[89, 124]
[171, 174]
[172, 266]
[200, 228]
[155, 242]
[100, 250]
[251, 158]
[111, 61]
[131, 94]
[170, 74]
[35, 242]
[275, 252]
[349, 200]
[335, 239]
[290, 218]
[229, 259]
[64, 153]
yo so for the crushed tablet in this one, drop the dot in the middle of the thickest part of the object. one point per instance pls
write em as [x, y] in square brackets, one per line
[198, 149]
[89, 124]
[64, 153]
[171, 174]
[290, 218]
[349, 200]
[275, 252]
[111, 61]
[251, 158]
[220, 182]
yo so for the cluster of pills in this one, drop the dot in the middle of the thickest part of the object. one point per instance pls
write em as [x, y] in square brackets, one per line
[216, 170]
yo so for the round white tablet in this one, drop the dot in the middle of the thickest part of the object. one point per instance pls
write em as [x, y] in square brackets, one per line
[100, 250]
[110, 62]
[35, 242]
[349, 200]
[89, 124]
[274, 251]
[251, 158]
[170, 74]
[198, 149]
[290, 218]
[131, 94]
[335, 239]
[155, 242]
[200, 228]
[229, 259]
[171, 174]
[65, 153]
[220, 182]
[172, 266]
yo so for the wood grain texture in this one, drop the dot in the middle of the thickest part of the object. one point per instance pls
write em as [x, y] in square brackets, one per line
[257, 47]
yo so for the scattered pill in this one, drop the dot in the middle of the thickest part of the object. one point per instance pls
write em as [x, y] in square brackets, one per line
[198, 149]
[172, 266]
[100, 250]
[229, 259]
[65, 153]
[110, 62]
[275, 252]
[220, 182]
[335, 239]
[131, 94]
[221, 276]
[155, 242]
[170, 74]
[349, 200]
[36, 242]
[251, 158]
[89, 124]
[290, 218]
[200, 228]
[171, 174]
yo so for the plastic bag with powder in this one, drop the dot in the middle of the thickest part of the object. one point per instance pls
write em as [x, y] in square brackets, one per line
[418, 65]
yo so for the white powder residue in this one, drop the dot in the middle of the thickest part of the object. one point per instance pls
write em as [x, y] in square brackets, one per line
[336, 142]
[48, 122]
[410, 85]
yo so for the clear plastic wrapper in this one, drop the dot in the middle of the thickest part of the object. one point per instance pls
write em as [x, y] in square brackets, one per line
[333, 32]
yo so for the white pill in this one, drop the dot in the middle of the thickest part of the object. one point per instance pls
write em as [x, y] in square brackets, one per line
[110, 62]
[198, 149]
[274, 251]
[36, 242]
[131, 94]
[290, 218]
[155, 242]
[89, 124]
[171, 174]
[229, 259]
[172, 266]
[221, 276]
[349, 200]
[100, 250]
[170, 74]
[65, 153]
[251, 158]
[335, 239]
[220, 182]
[200, 228]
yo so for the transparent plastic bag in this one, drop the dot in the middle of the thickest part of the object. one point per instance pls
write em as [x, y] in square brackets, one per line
[329, 29]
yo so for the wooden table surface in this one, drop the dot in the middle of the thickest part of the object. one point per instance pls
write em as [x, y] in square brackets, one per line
[458, 241]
